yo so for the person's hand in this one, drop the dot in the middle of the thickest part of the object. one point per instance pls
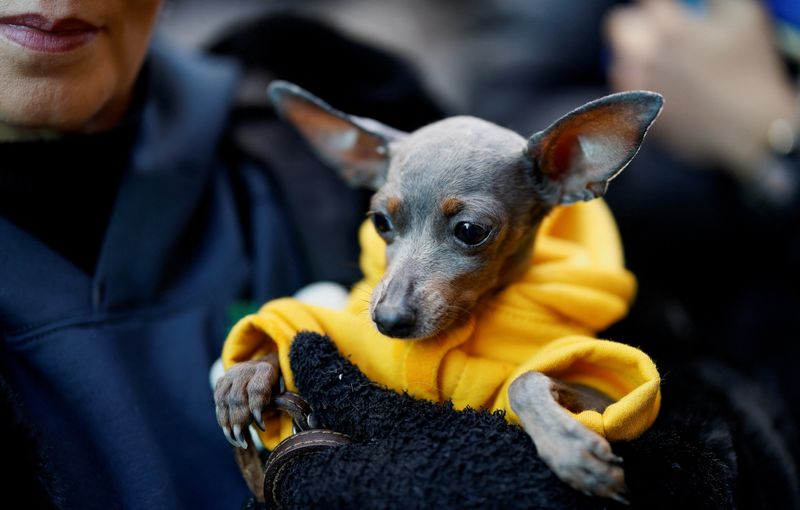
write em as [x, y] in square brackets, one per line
[721, 77]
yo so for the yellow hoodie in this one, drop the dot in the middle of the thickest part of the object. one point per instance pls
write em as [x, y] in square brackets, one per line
[575, 286]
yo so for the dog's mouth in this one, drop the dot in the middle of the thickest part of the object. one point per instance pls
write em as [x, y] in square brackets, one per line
[411, 332]
[411, 324]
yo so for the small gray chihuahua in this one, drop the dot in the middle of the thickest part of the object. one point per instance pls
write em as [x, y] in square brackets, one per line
[458, 203]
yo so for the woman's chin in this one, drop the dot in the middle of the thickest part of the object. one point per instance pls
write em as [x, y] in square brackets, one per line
[62, 104]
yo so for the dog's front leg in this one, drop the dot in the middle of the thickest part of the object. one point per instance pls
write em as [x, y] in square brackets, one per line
[577, 455]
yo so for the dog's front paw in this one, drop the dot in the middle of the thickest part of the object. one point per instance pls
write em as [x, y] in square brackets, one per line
[242, 394]
[583, 459]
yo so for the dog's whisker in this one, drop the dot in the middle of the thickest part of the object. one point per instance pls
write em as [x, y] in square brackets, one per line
[362, 290]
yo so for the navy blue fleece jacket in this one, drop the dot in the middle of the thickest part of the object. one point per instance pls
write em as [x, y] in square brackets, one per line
[111, 368]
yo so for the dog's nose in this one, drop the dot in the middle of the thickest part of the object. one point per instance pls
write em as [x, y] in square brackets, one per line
[395, 322]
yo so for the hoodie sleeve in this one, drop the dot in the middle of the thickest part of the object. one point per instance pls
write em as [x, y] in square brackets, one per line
[272, 329]
[277, 323]
[620, 371]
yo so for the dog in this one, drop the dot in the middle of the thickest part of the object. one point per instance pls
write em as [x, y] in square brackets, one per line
[458, 204]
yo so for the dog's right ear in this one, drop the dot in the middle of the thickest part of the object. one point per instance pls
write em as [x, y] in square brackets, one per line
[357, 147]
[576, 157]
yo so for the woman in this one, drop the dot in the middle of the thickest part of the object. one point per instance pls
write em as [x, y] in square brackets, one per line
[122, 249]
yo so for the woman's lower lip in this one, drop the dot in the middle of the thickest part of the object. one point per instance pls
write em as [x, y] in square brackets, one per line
[47, 41]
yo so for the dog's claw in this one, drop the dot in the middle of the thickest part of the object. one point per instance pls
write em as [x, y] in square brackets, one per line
[620, 498]
[227, 432]
[259, 420]
[237, 434]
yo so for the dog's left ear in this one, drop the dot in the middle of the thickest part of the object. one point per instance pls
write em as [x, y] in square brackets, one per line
[576, 157]
[357, 147]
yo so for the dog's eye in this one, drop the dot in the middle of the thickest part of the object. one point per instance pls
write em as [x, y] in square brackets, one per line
[381, 222]
[470, 233]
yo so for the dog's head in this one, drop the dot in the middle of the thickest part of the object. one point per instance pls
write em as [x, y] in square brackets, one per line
[458, 201]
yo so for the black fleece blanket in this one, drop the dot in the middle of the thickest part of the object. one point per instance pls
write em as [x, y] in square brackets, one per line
[713, 446]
